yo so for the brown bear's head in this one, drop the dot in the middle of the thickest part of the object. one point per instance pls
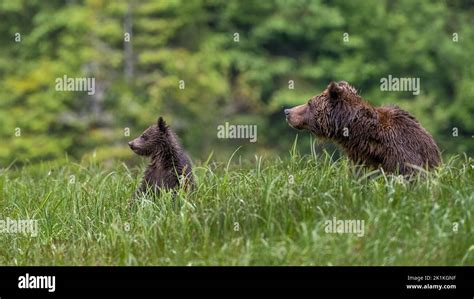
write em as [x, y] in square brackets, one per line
[152, 140]
[328, 113]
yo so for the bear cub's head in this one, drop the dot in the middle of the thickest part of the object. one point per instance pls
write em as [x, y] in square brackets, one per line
[327, 113]
[152, 140]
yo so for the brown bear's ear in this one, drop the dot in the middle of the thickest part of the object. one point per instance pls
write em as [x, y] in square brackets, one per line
[335, 90]
[162, 124]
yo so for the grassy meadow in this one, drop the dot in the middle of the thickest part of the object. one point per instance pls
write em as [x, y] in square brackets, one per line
[265, 212]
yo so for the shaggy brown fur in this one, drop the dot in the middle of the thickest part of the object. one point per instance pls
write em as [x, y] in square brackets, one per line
[168, 160]
[386, 137]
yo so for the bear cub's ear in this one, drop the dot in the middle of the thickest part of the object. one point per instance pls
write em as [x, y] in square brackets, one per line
[161, 124]
[335, 91]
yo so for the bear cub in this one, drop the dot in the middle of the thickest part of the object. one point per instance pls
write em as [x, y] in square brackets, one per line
[170, 166]
[386, 137]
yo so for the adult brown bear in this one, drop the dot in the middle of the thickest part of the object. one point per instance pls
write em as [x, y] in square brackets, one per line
[386, 137]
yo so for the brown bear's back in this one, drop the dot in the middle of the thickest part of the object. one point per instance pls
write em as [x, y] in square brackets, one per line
[404, 141]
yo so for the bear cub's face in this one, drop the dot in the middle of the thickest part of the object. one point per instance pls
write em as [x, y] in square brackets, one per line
[318, 114]
[151, 140]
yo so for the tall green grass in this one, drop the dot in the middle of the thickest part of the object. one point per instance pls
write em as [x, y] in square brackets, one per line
[265, 212]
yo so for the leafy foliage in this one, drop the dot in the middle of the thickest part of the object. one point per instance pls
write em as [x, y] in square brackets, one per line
[244, 81]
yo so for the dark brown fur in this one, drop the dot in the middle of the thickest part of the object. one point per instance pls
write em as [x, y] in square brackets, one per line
[168, 160]
[386, 137]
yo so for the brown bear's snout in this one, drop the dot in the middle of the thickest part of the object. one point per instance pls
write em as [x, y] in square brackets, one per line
[134, 147]
[139, 148]
[296, 116]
